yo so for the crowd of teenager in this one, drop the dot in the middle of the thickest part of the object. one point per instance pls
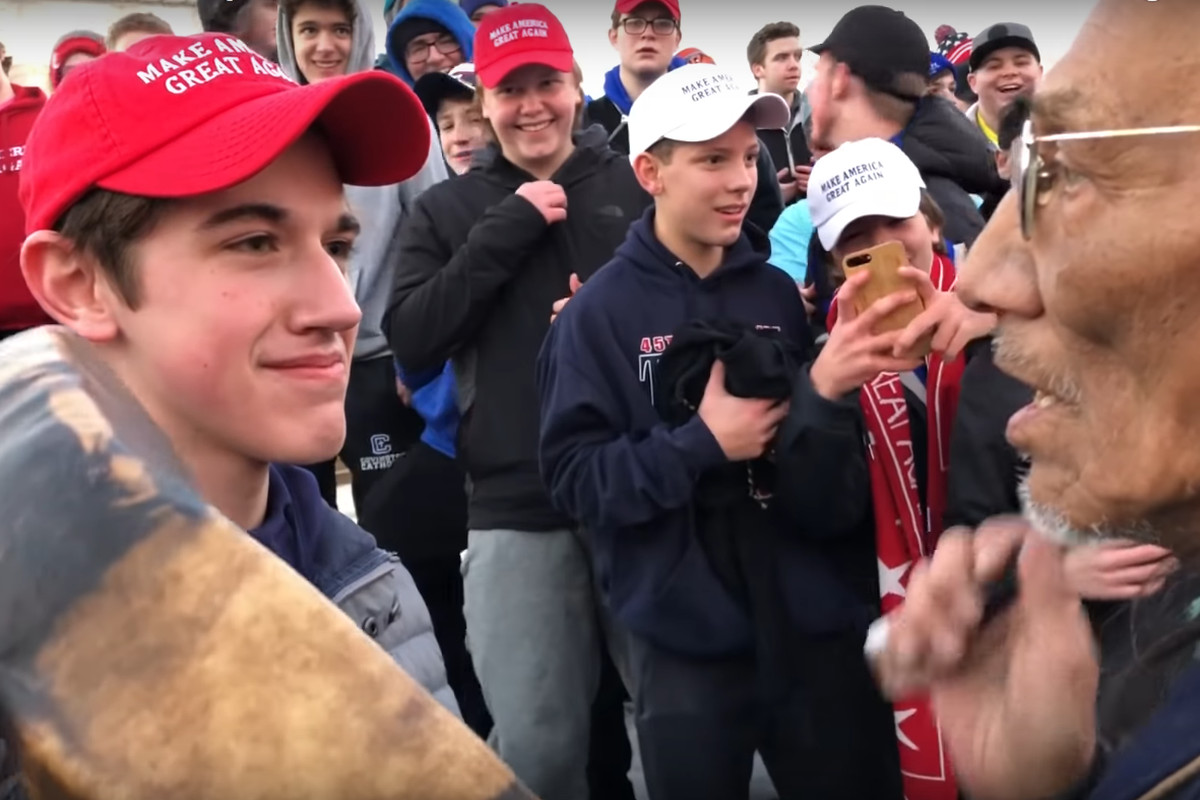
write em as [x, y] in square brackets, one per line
[626, 425]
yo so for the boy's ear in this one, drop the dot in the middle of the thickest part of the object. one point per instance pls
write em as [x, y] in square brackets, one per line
[68, 285]
[648, 170]
[971, 81]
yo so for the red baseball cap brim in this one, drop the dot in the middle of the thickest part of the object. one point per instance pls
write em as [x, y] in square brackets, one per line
[359, 115]
[626, 6]
[491, 75]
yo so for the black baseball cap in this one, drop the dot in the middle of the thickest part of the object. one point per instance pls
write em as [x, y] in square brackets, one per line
[878, 44]
[1002, 34]
[434, 87]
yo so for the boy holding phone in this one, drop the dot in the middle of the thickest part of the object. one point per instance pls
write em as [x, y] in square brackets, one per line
[888, 376]
[715, 673]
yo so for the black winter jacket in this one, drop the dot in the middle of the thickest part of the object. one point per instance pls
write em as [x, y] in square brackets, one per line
[479, 271]
[955, 160]
[984, 468]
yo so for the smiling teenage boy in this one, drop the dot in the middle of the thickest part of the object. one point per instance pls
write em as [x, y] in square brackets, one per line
[1005, 65]
[192, 225]
[483, 258]
[715, 671]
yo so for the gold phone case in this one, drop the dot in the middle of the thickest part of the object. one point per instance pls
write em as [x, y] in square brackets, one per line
[883, 261]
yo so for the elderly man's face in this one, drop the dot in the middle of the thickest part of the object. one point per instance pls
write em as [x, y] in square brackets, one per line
[1100, 309]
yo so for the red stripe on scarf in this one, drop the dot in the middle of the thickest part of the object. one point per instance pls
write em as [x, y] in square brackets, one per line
[905, 532]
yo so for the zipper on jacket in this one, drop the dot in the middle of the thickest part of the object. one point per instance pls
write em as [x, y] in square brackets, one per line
[358, 583]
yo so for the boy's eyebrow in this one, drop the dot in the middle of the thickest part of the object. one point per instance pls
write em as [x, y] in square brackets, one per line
[348, 223]
[265, 212]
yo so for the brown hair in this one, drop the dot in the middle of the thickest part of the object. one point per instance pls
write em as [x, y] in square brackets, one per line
[756, 51]
[577, 71]
[137, 22]
[106, 225]
[933, 214]
[663, 150]
[616, 15]
[893, 108]
[347, 7]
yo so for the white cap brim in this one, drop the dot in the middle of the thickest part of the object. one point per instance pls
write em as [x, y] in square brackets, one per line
[874, 204]
[766, 112]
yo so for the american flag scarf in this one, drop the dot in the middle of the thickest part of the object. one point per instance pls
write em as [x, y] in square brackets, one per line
[905, 532]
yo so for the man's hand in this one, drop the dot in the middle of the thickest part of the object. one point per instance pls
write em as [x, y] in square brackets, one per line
[403, 393]
[788, 186]
[951, 323]
[1118, 569]
[743, 427]
[559, 305]
[854, 355]
[547, 197]
[1016, 699]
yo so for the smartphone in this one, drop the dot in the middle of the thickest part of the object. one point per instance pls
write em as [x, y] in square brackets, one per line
[883, 262]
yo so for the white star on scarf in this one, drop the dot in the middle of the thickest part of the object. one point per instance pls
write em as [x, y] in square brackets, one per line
[890, 577]
[900, 735]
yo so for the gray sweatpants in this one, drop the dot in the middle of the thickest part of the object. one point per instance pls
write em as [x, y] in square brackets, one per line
[533, 634]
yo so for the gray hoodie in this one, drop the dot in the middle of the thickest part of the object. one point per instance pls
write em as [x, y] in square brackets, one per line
[380, 209]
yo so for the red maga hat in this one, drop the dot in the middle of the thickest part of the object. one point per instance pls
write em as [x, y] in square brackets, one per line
[179, 116]
[519, 35]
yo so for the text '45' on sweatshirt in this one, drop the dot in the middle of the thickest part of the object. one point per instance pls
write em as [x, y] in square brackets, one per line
[477, 274]
[629, 479]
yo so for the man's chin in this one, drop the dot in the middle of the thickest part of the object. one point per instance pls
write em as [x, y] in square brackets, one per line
[1052, 517]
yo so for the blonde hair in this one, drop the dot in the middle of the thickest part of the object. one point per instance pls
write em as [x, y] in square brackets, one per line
[577, 71]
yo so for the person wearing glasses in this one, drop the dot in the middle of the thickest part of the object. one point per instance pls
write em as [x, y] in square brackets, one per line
[1091, 265]
[428, 36]
[645, 34]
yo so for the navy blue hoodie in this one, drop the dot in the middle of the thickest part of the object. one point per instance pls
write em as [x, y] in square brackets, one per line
[611, 464]
[1168, 743]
